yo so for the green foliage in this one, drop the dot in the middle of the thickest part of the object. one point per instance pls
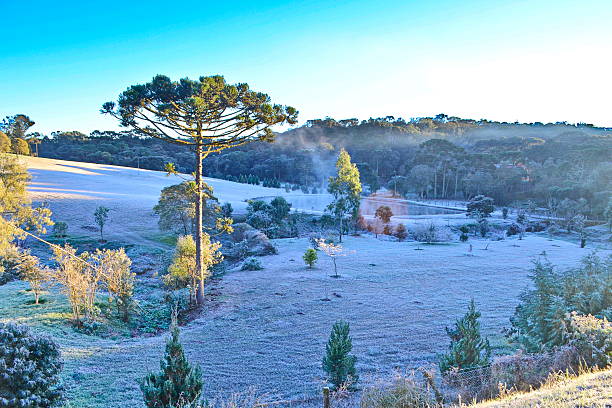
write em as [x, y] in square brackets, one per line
[60, 229]
[182, 273]
[31, 271]
[273, 219]
[251, 264]
[20, 147]
[101, 216]
[15, 205]
[345, 188]
[338, 363]
[541, 321]
[5, 143]
[178, 384]
[592, 337]
[467, 349]
[310, 257]
[176, 207]
[30, 367]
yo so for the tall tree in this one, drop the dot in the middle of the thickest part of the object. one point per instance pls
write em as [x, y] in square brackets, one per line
[208, 115]
[16, 212]
[346, 190]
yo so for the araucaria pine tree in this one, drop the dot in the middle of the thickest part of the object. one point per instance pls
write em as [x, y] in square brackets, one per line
[30, 367]
[467, 349]
[178, 384]
[338, 363]
[346, 190]
[207, 115]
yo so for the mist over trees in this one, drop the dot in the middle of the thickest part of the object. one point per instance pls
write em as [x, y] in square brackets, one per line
[437, 157]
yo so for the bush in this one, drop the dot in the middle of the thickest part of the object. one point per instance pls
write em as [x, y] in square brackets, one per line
[480, 206]
[513, 229]
[400, 232]
[60, 229]
[30, 368]
[592, 338]
[401, 392]
[338, 363]
[251, 264]
[431, 233]
[541, 321]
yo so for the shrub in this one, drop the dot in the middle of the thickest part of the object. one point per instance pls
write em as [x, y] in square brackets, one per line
[310, 257]
[178, 384]
[541, 321]
[400, 232]
[401, 392]
[32, 272]
[431, 233]
[463, 237]
[483, 227]
[251, 264]
[480, 206]
[60, 229]
[592, 338]
[30, 367]
[513, 229]
[338, 363]
[467, 349]
[505, 212]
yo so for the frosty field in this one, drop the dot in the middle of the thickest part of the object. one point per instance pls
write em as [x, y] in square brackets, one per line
[267, 329]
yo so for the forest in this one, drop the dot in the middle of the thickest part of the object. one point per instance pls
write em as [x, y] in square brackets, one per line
[553, 166]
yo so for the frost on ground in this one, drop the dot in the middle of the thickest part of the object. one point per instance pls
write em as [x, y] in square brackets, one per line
[73, 190]
[269, 327]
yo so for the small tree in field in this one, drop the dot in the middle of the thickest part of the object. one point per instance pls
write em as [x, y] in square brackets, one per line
[182, 273]
[101, 216]
[79, 281]
[310, 257]
[208, 115]
[333, 251]
[467, 349]
[178, 384]
[60, 229]
[30, 367]
[338, 363]
[114, 269]
[32, 272]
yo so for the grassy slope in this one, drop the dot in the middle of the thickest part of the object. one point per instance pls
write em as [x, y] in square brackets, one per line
[587, 390]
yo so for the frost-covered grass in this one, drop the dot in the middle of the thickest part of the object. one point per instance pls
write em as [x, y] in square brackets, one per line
[267, 329]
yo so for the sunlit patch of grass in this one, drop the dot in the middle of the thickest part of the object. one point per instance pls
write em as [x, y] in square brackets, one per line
[166, 239]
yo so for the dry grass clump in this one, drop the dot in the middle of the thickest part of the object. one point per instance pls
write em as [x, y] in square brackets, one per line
[402, 391]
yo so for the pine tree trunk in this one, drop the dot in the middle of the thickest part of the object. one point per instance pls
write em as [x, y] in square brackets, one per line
[198, 216]
[340, 228]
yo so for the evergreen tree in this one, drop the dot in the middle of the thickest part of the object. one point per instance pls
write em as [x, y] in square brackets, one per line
[310, 257]
[338, 363]
[346, 190]
[540, 318]
[178, 384]
[30, 368]
[208, 115]
[467, 349]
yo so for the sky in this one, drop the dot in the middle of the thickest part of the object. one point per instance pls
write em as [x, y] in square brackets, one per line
[525, 61]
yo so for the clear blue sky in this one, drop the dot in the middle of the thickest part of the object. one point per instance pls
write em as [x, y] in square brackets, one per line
[501, 60]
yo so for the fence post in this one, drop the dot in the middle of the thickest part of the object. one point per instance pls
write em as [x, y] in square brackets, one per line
[326, 397]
